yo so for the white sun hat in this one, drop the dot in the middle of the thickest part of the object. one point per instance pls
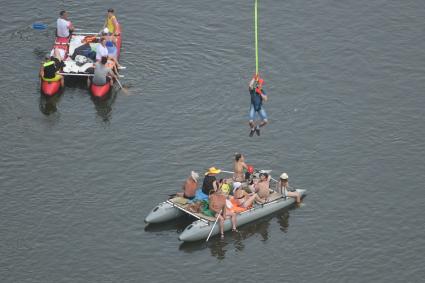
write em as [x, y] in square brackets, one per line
[194, 176]
[284, 176]
[236, 185]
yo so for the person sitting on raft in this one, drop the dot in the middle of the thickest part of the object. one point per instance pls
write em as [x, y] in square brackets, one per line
[102, 51]
[190, 186]
[283, 187]
[217, 204]
[241, 200]
[49, 70]
[262, 187]
[224, 186]
[239, 166]
[111, 22]
[58, 53]
[102, 74]
[210, 183]
[111, 43]
[63, 26]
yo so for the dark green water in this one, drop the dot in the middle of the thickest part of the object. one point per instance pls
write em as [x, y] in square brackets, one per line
[346, 107]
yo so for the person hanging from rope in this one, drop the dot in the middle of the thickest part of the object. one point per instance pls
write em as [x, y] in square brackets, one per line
[258, 96]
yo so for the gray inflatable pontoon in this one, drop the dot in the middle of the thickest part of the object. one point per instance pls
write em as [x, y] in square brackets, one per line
[200, 229]
[165, 211]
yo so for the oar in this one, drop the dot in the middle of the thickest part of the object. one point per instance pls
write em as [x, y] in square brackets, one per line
[122, 88]
[39, 26]
[215, 222]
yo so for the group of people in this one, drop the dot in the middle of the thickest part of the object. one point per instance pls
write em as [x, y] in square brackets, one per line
[106, 66]
[247, 190]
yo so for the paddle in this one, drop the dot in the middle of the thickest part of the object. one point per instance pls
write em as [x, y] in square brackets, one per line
[215, 222]
[122, 88]
[39, 26]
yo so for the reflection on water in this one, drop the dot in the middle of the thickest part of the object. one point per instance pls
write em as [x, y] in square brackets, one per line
[177, 225]
[282, 219]
[103, 105]
[218, 247]
[48, 104]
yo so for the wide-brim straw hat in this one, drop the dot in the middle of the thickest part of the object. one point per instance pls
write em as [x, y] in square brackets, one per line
[213, 170]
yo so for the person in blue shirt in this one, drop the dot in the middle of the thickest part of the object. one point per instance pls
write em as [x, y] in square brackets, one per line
[258, 96]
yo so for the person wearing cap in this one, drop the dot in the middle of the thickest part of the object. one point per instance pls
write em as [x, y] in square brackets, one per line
[110, 43]
[283, 187]
[111, 22]
[262, 187]
[63, 26]
[189, 186]
[239, 166]
[258, 96]
[210, 183]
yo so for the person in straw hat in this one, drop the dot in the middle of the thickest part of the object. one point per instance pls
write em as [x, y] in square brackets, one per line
[210, 183]
[189, 186]
[283, 188]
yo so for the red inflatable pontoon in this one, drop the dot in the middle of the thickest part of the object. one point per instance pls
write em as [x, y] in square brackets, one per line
[100, 90]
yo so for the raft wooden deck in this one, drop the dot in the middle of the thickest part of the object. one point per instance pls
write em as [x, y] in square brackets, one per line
[177, 202]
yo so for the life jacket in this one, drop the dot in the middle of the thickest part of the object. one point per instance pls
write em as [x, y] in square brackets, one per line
[90, 39]
[49, 69]
[259, 88]
[258, 83]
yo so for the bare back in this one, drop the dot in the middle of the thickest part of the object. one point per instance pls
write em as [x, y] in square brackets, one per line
[190, 187]
[262, 189]
[238, 174]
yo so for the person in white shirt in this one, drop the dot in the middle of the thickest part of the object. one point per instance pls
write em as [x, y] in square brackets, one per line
[63, 25]
[101, 49]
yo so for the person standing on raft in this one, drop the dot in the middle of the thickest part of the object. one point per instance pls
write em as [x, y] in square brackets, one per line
[111, 22]
[64, 26]
[258, 96]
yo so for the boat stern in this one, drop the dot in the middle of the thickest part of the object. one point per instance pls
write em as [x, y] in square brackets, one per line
[162, 212]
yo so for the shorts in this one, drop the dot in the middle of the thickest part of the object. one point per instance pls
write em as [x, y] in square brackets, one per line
[189, 198]
[108, 80]
[262, 113]
[55, 79]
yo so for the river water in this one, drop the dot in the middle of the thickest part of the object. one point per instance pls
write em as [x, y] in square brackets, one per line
[346, 107]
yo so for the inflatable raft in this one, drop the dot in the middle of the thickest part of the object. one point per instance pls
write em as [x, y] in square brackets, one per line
[199, 229]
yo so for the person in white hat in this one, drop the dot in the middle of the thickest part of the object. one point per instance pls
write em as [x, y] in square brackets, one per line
[283, 188]
[190, 186]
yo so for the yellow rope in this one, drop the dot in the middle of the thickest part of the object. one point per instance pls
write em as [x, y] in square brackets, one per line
[256, 36]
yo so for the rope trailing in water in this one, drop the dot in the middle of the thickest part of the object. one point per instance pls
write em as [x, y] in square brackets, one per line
[256, 35]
